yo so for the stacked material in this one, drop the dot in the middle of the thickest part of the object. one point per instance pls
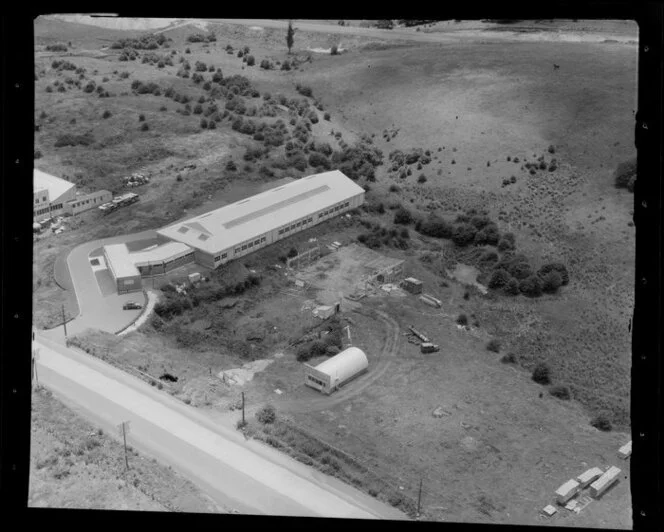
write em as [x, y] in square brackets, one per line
[431, 301]
[587, 478]
[625, 451]
[565, 492]
[604, 482]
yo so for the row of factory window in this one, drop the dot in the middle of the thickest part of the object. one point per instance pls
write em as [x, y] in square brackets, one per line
[43, 199]
[295, 225]
[220, 257]
[42, 211]
[85, 202]
[250, 245]
[317, 381]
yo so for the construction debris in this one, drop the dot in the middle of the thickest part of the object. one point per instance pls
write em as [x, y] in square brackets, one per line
[440, 412]
[431, 301]
[418, 334]
[428, 347]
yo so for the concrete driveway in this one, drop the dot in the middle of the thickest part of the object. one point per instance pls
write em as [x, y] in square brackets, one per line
[99, 307]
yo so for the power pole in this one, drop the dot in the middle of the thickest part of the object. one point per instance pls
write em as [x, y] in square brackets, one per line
[243, 421]
[124, 428]
[419, 498]
[64, 321]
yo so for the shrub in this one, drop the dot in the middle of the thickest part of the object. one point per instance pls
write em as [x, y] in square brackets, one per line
[422, 179]
[304, 90]
[204, 123]
[106, 114]
[265, 64]
[542, 374]
[266, 415]
[38, 154]
[489, 235]
[561, 392]
[326, 116]
[141, 117]
[198, 109]
[551, 282]
[394, 188]
[506, 242]
[285, 65]
[531, 286]
[145, 126]
[436, 227]
[251, 60]
[462, 319]
[512, 287]
[602, 422]
[624, 173]
[552, 149]
[319, 160]
[403, 216]
[90, 87]
[508, 358]
[463, 234]
[499, 279]
[558, 267]
[493, 346]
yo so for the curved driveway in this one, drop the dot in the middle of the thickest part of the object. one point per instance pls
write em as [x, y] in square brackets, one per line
[98, 311]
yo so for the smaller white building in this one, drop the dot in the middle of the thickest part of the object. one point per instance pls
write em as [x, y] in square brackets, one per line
[625, 451]
[588, 477]
[336, 371]
[568, 490]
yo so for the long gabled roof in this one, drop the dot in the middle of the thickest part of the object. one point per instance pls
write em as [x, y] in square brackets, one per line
[244, 220]
[56, 186]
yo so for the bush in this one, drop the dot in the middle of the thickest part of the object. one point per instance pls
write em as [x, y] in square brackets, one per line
[285, 65]
[251, 60]
[512, 287]
[624, 173]
[38, 154]
[531, 286]
[462, 319]
[141, 118]
[265, 64]
[558, 267]
[145, 126]
[463, 234]
[304, 90]
[602, 423]
[542, 374]
[436, 227]
[326, 116]
[319, 160]
[561, 392]
[266, 415]
[551, 282]
[106, 114]
[508, 358]
[552, 149]
[403, 216]
[204, 123]
[499, 279]
[488, 235]
[494, 346]
[506, 242]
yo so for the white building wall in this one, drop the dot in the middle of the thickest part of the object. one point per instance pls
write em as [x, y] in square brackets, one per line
[88, 201]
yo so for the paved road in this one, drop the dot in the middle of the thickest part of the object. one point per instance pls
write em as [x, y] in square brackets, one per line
[238, 474]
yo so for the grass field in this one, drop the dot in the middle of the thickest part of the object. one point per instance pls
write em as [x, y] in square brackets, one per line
[484, 109]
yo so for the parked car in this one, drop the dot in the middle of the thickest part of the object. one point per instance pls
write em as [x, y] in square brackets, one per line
[131, 306]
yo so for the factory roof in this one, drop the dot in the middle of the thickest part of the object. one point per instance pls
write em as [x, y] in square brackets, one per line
[168, 251]
[56, 186]
[244, 220]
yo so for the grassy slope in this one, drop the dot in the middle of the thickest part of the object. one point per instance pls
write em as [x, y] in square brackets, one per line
[74, 466]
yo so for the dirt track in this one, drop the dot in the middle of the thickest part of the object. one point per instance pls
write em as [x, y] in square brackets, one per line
[387, 355]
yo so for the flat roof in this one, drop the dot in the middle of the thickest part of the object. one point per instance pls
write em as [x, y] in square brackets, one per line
[168, 251]
[244, 220]
[120, 261]
[56, 186]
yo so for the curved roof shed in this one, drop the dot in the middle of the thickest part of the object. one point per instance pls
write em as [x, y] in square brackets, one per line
[344, 366]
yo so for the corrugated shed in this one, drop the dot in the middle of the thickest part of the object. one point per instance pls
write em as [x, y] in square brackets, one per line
[345, 365]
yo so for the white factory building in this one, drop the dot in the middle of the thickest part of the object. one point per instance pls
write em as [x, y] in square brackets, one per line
[235, 230]
[336, 371]
[54, 196]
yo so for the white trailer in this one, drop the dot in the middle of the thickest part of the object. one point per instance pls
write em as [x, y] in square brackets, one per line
[565, 492]
[625, 451]
[590, 476]
[604, 482]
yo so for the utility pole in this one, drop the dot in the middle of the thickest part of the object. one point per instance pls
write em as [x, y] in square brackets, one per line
[419, 498]
[123, 429]
[243, 421]
[64, 321]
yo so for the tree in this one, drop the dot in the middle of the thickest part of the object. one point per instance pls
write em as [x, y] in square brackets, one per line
[290, 36]
[551, 282]
[403, 216]
[463, 234]
[531, 286]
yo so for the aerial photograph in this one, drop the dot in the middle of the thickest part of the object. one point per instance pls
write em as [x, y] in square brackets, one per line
[365, 269]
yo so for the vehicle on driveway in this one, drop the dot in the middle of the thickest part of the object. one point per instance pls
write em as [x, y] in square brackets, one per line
[131, 306]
